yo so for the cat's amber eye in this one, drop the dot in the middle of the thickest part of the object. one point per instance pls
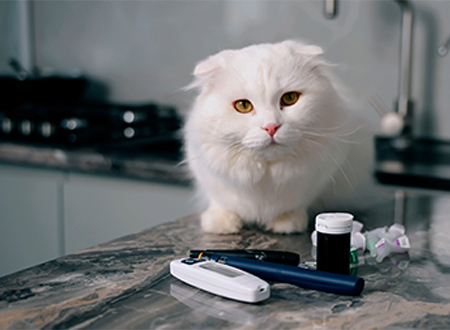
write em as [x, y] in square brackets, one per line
[243, 106]
[289, 98]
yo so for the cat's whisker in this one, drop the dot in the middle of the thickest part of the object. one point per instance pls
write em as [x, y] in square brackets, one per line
[344, 155]
[342, 171]
[187, 159]
[316, 151]
[183, 162]
[330, 137]
[337, 130]
[379, 106]
[329, 154]
[313, 146]
[375, 107]
[339, 135]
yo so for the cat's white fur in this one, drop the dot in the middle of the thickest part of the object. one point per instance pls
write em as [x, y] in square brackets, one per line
[316, 155]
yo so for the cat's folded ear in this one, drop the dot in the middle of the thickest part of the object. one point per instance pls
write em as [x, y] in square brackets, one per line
[312, 50]
[207, 68]
[303, 49]
[205, 71]
[307, 53]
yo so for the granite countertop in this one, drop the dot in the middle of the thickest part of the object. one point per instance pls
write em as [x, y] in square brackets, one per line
[126, 283]
[147, 160]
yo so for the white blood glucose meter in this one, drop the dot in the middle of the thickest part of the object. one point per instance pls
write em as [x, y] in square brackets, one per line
[222, 280]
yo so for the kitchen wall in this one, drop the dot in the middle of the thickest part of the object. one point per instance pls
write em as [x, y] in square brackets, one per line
[146, 50]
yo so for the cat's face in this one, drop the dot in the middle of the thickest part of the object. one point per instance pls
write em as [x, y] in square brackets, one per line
[263, 99]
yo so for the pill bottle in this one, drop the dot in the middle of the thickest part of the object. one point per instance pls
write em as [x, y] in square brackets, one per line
[333, 242]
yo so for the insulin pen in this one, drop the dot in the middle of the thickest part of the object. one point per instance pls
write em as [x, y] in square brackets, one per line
[306, 278]
[279, 257]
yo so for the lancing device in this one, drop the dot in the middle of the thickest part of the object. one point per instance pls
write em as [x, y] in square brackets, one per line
[305, 278]
[279, 257]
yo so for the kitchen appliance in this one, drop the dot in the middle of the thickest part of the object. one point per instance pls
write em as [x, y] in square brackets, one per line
[86, 124]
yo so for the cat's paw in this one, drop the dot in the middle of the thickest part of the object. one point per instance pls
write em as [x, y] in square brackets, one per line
[289, 222]
[220, 221]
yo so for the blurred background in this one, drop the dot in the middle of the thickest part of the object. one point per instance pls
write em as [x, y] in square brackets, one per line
[130, 60]
[146, 50]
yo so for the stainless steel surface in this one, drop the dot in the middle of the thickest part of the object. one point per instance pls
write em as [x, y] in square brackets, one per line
[330, 8]
[443, 49]
[25, 40]
[399, 207]
[404, 88]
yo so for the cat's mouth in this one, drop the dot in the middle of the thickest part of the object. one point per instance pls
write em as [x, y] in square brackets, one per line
[265, 145]
[273, 144]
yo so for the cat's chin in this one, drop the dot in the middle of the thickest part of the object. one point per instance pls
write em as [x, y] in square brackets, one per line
[272, 151]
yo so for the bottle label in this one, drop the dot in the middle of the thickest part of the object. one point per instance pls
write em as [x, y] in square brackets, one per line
[354, 256]
[403, 242]
[380, 243]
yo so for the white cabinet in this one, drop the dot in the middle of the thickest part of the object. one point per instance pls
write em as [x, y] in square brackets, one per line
[98, 209]
[48, 213]
[30, 217]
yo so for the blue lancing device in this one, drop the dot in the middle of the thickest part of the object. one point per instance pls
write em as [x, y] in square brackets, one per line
[305, 278]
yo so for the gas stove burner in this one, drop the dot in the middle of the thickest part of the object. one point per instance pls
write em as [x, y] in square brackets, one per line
[86, 124]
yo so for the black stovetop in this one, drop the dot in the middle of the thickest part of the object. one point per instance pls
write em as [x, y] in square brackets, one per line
[86, 124]
[424, 164]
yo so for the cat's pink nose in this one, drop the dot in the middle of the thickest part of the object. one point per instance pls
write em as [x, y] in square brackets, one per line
[271, 129]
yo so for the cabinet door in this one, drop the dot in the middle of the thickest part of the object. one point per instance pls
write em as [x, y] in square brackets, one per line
[99, 209]
[30, 217]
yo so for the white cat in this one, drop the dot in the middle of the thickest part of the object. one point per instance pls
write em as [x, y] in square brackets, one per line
[270, 136]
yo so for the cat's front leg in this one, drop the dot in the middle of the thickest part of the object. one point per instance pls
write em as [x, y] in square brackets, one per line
[289, 222]
[218, 220]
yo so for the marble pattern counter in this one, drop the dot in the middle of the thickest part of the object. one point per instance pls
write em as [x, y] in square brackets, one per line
[126, 283]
